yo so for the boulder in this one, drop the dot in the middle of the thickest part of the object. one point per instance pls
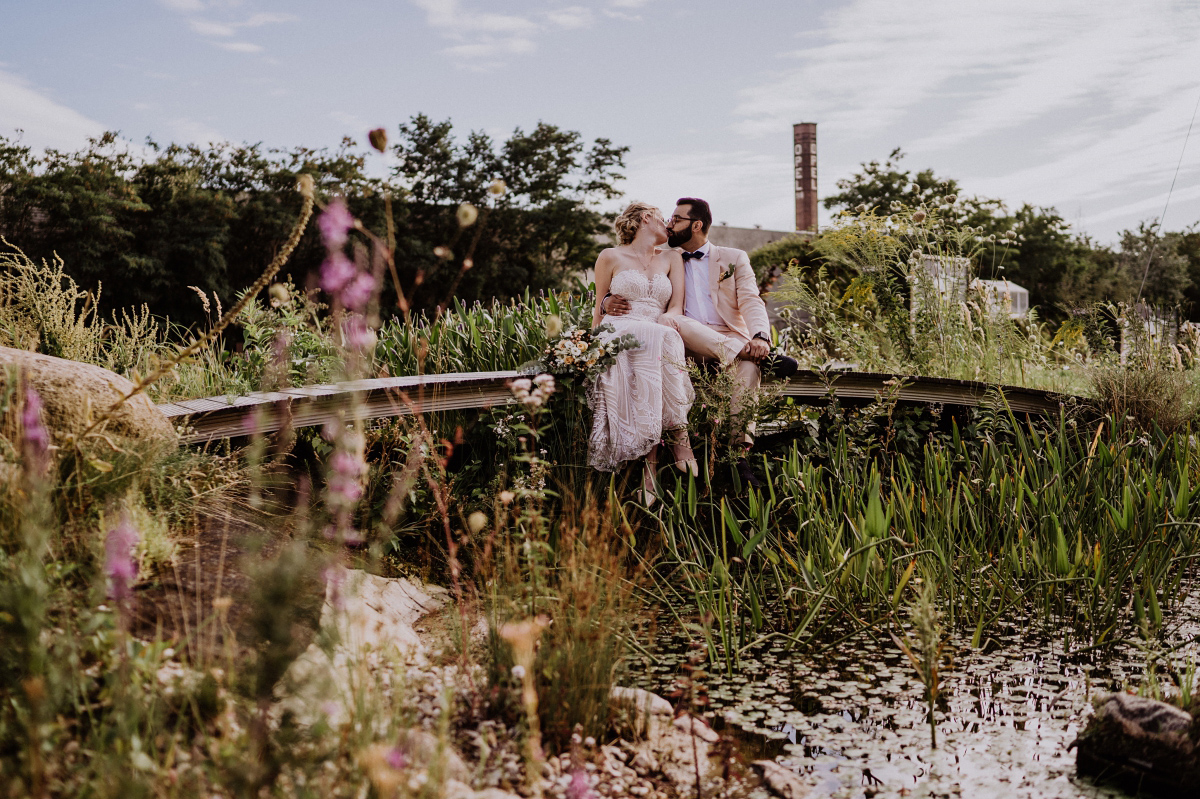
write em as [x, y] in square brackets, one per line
[1142, 744]
[74, 393]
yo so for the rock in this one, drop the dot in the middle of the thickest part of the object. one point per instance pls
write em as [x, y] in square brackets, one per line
[641, 701]
[697, 727]
[365, 615]
[1140, 743]
[424, 748]
[639, 712]
[459, 790]
[71, 391]
[781, 780]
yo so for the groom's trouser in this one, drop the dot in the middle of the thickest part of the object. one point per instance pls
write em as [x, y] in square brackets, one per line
[721, 344]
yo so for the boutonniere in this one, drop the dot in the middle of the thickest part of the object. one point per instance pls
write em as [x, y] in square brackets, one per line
[727, 273]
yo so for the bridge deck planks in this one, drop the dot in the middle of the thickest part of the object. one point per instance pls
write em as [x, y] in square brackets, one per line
[213, 418]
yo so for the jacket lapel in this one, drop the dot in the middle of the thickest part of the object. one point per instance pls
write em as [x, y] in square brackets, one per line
[714, 274]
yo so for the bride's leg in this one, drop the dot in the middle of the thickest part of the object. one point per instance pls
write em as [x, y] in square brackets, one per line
[649, 472]
[681, 449]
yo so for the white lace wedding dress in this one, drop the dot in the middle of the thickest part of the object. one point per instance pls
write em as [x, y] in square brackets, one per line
[647, 390]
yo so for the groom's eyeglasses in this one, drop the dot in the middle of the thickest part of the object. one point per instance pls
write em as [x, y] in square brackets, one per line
[675, 219]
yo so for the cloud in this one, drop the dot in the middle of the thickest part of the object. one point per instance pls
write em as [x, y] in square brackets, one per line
[483, 40]
[205, 28]
[1072, 103]
[44, 122]
[210, 29]
[183, 6]
[240, 47]
[570, 18]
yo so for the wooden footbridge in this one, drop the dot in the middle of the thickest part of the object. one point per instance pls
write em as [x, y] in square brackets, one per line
[213, 418]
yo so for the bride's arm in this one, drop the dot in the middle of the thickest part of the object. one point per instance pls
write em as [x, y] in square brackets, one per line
[678, 285]
[604, 271]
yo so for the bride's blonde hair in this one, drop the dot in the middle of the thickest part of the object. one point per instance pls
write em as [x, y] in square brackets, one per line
[627, 224]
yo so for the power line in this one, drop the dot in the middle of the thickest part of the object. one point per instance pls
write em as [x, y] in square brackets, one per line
[1163, 215]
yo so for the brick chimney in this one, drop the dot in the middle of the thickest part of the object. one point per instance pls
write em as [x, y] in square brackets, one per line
[804, 136]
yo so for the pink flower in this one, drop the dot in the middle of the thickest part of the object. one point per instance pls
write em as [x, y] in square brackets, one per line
[357, 293]
[343, 463]
[37, 439]
[336, 272]
[357, 335]
[335, 224]
[579, 788]
[119, 565]
[396, 758]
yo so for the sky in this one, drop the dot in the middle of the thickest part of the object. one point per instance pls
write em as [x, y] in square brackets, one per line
[1081, 106]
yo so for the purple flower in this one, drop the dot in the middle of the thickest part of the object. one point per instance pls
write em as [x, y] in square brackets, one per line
[335, 224]
[345, 464]
[336, 272]
[37, 439]
[579, 788]
[396, 758]
[358, 335]
[119, 565]
[335, 577]
[357, 293]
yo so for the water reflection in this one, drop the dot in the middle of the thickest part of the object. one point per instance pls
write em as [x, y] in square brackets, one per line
[1007, 713]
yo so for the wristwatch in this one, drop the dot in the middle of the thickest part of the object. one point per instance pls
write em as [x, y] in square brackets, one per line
[602, 311]
[761, 336]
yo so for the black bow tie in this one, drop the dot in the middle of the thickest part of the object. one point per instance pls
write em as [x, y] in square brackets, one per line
[687, 256]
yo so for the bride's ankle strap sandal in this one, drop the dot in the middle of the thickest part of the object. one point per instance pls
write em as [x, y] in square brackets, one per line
[685, 459]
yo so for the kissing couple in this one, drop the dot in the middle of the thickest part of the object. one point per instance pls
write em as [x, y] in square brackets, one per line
[688, 299]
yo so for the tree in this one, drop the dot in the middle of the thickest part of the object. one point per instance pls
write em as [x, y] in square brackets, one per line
[533, 236]
[149, 224]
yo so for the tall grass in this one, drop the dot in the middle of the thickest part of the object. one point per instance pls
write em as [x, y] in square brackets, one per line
[1070, 526]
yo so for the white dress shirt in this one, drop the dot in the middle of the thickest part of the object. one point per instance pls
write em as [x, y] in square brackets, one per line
[698, 301]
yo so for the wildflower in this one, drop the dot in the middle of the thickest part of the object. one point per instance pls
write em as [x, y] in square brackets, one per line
[358, 292]
[119, 565]
[378, 138]
[336, 272]
[335, 224]
[304, 185]
[518, 672]
[396, 758]
[36, 438]
[498, 187]
[520, 387]
[951, 199]
[334, 577]
[579, 788]
[506, 497]
[279, 296]
[545, 383]
[358, 335]
[477, 521]
[919, 217]
[589, 741]
[466, 214]
[468, 263]
[445, 253]
[554, 326]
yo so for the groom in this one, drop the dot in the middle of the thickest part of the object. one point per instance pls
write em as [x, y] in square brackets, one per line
[725, 319]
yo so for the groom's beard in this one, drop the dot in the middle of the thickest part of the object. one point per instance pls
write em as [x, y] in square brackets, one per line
[675, 239]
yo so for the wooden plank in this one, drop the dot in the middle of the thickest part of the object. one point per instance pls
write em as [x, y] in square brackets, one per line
[213, 418]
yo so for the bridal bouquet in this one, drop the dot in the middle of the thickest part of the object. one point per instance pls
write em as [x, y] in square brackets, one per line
[585, 353]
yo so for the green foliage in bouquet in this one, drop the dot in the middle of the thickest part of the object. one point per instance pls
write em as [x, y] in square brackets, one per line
[584, 353]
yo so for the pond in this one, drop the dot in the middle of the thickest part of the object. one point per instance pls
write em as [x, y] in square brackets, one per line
[857, 715]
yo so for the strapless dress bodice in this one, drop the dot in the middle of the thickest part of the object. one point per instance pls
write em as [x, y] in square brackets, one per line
[648, 297]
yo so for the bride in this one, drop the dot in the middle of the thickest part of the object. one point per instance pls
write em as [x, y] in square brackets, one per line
[646, 394]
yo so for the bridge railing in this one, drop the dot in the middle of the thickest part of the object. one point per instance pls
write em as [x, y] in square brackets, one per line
[214, 418]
